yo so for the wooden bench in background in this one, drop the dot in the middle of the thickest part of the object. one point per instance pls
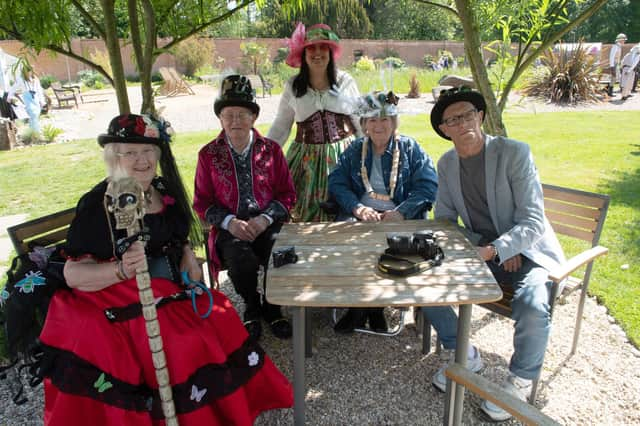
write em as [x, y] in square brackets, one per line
[259, 81]
[66, 94]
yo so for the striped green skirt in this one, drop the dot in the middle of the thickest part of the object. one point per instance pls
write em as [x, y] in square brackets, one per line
[310, 165]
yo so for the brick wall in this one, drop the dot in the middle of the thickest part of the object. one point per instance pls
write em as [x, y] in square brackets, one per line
[412, 52]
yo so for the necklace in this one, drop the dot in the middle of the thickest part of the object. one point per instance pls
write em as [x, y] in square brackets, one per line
[393, 179]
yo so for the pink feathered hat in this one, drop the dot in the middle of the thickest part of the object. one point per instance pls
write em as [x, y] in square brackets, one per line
[317, 34]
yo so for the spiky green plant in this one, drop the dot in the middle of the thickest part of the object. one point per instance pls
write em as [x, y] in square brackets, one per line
[566, 76]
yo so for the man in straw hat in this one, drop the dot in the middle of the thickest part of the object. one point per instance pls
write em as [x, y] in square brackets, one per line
[615, 58]
[492, 184]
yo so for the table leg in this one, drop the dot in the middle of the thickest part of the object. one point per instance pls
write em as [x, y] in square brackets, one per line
[455, 393]
[308, 347]
[299, 388]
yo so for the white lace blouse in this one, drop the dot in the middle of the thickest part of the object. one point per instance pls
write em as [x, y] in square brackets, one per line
[299, 109]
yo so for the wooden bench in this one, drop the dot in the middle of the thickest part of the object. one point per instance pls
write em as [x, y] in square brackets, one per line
[258, 81]
[52, 229]
[65, 94]
[484, 388]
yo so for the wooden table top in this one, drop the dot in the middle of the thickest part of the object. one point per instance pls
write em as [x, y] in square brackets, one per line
[337, 266]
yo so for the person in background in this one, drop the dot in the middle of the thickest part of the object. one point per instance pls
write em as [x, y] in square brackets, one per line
[383, 176]
[27, 89]
[324, 126]
[243, 190]
[629, 64]
[491, 183]
[98, 366]
[615, 57]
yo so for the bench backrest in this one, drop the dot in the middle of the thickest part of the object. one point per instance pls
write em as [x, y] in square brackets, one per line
[574, 213]
[44, 231]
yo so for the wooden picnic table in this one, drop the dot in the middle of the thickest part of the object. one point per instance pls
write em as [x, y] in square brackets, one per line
[337, 267]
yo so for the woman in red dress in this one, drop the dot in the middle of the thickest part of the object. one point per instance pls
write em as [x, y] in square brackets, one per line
[98, 367]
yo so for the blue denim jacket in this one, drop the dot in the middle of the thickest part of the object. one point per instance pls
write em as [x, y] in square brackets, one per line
[417, 179]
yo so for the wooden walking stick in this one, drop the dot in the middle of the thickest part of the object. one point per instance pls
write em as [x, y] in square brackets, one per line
[124, 198]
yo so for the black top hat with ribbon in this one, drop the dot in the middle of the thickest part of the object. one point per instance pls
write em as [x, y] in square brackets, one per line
[236, 90]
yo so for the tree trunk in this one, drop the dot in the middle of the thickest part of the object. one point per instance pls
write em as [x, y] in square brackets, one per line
[144, 50]
[473, 47]
[115, 58]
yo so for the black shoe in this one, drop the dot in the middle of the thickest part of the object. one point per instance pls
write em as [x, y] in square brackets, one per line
[281, 328]
[354, 318]
[377, 321]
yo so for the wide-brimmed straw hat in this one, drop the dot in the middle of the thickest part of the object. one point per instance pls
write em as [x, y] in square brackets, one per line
[621, 36]
[451, 96]
[316, 34]
[236, 90]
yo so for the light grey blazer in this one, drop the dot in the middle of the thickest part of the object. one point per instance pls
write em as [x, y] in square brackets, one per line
[515, 200]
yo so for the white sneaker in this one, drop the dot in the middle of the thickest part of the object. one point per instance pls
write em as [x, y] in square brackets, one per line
[516, 386]
[474, 364]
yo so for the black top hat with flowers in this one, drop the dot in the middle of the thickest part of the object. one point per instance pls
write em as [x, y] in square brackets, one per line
[451, 96]
[146, 129]
[236, 90]
[133, 128]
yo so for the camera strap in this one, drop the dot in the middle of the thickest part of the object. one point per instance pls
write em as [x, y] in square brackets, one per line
[396, 265]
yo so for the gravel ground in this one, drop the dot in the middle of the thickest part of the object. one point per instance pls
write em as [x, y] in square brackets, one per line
[370, 380]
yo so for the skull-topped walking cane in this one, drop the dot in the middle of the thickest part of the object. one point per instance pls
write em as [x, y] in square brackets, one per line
[124, 198]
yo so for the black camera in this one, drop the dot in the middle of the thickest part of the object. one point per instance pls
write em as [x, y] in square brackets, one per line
[422, 243]
[284, 256]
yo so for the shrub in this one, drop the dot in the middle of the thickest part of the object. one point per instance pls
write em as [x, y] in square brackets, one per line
[255, 58]
[102, 58]
[365, 64]
[50, 132]
[193, 53]
[282, 54]
[414, 87]
[46, 80]
[566, 76]
[91, 79]
[428, 60]
[394, 62]
[28, 136]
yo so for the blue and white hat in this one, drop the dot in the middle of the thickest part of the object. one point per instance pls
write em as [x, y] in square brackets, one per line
[376, 104]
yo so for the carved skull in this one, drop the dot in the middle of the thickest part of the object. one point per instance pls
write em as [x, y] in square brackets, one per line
[125, 200]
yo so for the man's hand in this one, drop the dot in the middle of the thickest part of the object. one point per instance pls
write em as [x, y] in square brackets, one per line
[366, 214]
[392, 216]
[241, 230]
[513, 264]
[258, 224]
[487, 253]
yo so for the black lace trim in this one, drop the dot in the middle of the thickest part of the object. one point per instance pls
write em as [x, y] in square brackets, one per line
[71, 374]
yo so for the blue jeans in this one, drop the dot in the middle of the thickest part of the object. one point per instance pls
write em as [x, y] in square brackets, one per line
[530, 311]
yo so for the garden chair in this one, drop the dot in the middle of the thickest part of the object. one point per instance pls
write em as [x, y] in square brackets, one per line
[169, 84]
[181, 85]
[574, 215]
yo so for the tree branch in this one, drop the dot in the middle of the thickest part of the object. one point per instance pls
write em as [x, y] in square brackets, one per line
[82, 59]
[441, 6]
[86, 15]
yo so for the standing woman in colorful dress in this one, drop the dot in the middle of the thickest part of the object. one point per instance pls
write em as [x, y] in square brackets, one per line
[324, 124]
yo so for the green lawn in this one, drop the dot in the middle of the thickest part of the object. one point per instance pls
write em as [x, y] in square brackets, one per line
[593, 151]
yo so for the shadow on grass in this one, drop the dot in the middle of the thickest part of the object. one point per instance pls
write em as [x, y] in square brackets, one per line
[623, 188]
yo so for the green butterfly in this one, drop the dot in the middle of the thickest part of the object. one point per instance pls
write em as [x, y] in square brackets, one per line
[101, 384]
